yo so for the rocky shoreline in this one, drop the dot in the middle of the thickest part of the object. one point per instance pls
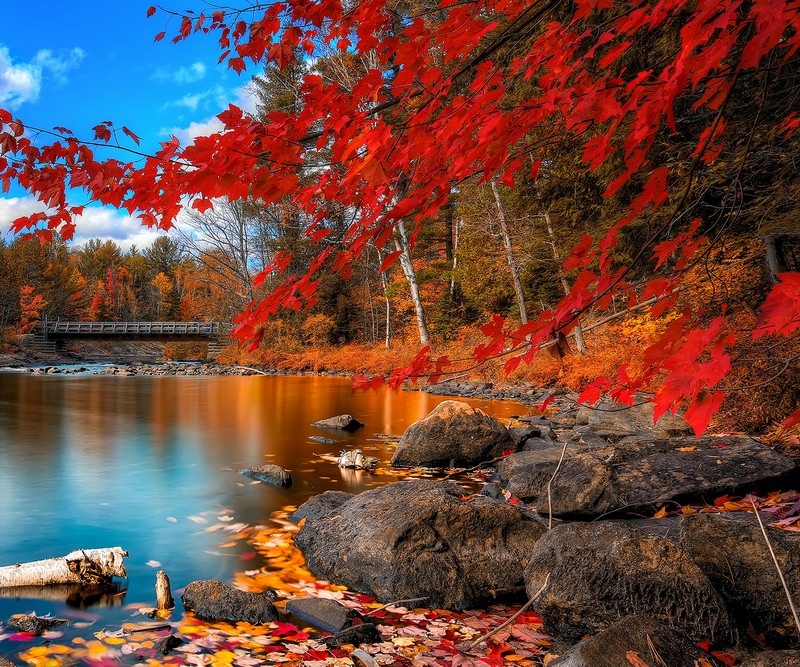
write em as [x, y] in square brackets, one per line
[524, 394]
[614, 527]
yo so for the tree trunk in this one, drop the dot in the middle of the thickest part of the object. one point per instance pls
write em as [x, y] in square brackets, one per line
[163, 591]
[775, 257]
[509, 248]
[455, 261]
[401, 243]
[84, 566]
[580, 343]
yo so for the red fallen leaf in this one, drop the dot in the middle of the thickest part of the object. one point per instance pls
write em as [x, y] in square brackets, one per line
[725, 658]
[705, 645]
[316, 655]
[514, 501]
[791, 420]
[282, 628]
[507, 452]
[248, 556]
[786, 512]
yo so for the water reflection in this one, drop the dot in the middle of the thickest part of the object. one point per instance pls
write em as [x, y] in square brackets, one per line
[149, 463]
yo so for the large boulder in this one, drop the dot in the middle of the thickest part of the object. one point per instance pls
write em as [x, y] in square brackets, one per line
[618, 419]
[422, 538]
[652, 642]
[637, 474]
[319, 506]
[591, 575]
[454, 433]
[214, 601]
[730, 550]
[339, 423]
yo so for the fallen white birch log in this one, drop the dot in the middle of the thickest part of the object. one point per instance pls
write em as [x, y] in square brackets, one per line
[84, 566]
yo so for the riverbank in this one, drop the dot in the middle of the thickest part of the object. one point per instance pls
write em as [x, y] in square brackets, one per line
[525, 394]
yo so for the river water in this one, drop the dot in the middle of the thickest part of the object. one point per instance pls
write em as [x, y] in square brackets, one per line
[148, 463]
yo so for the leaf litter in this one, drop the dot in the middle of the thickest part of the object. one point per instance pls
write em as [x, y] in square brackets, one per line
[411, 637]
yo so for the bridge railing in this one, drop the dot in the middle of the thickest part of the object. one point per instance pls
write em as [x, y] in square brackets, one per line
[135, 328]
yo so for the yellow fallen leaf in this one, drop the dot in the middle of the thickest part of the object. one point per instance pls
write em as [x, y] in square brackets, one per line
[115, 641]
[661, 513]
[687, 449]
[403, 641]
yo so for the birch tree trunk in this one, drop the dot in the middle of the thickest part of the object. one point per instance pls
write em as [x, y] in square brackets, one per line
[509, 248]
[401, 243]
[84, 566]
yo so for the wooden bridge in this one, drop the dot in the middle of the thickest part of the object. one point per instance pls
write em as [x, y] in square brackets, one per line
[49, 336]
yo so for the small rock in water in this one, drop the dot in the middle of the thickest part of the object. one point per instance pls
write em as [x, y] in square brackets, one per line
[321, 439]
[340, 422]
[35, 624]
[356, 459]
[214, 601]
[269, 473]
[165, 646]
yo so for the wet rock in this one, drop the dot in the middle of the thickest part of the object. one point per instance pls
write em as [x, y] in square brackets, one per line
[601, 572]
[366, 633]
[323, 613]
[607, 415]
[34, 624]
[214, 601]
[418, 538]
[773, 659]
[319, 506]
[652, 642]
[5, 662]
[730, 550]
[269, 473]
[322, 440]
[454, 433]
[340, 422]
[532, 444]
[631, 476]
[166, 645]
[492, 490]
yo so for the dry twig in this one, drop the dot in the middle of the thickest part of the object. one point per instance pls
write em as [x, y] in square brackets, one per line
[512, 618]
[777, 565]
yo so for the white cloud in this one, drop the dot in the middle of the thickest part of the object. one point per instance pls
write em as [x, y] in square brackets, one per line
[242, 98]
[187, 135]
[59, 65]
[190, 74]
[21, 82]
[96, 222]
[191, 102]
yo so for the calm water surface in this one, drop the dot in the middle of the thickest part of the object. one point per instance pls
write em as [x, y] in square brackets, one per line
[147, 463]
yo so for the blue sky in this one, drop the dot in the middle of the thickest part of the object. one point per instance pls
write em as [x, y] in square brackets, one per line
[78, 64]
